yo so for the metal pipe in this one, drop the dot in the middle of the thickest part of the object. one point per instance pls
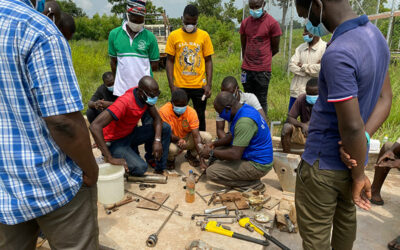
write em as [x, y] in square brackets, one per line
[377, 11]
[152, 240]
[212, 210]
[291, 35]
[148, 178]
[390, 23]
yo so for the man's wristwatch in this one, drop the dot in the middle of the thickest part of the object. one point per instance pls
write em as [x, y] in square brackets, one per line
[157, 139]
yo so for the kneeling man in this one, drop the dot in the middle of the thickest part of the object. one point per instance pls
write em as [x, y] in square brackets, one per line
[185, 135]
[249, 156]
[117, 135]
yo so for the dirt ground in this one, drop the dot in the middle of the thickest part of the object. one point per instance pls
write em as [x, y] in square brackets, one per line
[129, 227]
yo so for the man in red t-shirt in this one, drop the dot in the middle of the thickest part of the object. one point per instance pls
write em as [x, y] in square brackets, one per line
[117, 135]
[259, 34]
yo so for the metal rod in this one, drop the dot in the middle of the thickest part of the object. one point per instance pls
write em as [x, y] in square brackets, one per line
[201, 197]
[167, 219]
[377, 11]
[390, 23]
[155, 202]
[291, 35]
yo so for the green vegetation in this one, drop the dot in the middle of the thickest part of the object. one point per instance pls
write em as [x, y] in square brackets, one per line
[91, 61]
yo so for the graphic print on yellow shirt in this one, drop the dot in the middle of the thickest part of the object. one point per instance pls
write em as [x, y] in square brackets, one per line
[189, 51]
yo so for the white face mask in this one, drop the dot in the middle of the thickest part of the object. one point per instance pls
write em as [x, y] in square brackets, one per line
[190, 28]
[135, 27]
[54, 17]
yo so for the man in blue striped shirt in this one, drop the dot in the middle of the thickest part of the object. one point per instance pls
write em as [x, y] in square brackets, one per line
[47, 170]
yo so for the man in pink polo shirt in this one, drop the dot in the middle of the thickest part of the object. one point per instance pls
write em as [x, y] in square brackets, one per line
[260, 34]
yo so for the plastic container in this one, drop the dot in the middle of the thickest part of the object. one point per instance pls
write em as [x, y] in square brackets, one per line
[285, 166]
[190, 187]
[110, 185]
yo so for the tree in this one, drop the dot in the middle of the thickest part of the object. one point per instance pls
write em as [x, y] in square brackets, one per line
[230, 11]
[71, 8]
[211, 8]
[284, 5]
[119, 8]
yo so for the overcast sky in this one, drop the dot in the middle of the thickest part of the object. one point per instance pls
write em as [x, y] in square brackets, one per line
[174, 8]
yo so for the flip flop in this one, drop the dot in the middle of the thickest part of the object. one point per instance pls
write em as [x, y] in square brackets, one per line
[378, 203]
[394, 244]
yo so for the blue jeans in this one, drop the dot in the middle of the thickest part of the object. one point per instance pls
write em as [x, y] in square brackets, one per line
[291, 102]
[125, 148]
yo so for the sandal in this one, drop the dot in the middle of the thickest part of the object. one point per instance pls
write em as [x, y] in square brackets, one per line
[394, 244]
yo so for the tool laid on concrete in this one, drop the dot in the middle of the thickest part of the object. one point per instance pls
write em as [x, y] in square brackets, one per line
[213, 216]
[289, 223]
[218, 192]
[212, 226]
[201, 175]
[213, 210]
[114, 207]
[161, 179]
[200, 223]
[152, 240]
[163, 206]
[201, 197]
[259, 229]
[143, 186]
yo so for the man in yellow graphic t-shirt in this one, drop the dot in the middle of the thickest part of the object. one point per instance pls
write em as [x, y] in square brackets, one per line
[189, 63]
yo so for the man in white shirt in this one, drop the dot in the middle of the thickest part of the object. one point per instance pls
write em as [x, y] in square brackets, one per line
[305, 64]
[230, 84]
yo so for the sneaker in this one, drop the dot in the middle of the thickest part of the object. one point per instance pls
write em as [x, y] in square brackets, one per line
[192, 159]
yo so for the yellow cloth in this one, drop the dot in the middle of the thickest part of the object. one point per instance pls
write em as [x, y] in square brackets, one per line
[189, 51]
[182, 125]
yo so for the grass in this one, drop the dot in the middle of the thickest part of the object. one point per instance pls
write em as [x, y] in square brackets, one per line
[91, 61]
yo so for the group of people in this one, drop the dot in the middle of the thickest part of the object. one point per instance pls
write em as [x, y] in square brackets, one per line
[48, 171]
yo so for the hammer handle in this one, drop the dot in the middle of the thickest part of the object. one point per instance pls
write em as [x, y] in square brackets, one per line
[250, 239]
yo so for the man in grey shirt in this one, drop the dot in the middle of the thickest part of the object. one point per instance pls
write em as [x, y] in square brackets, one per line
[230, 84]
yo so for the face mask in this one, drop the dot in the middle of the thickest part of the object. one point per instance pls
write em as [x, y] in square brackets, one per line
[308, 39]
[111, 89]
[236, 94]
[320, 30]
[134, 26]
[311, 99]
[179, 110]
[226, 115]
[256, 13]
[190, 28]
[40, 5]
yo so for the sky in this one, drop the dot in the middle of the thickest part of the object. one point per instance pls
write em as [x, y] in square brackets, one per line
[174, 8]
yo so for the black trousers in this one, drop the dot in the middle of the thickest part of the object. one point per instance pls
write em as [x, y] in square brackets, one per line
[258, 83]
[91, 114]
[200, 106]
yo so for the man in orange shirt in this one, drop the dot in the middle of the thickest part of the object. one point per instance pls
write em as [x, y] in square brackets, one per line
[185, 134]
[189, 62]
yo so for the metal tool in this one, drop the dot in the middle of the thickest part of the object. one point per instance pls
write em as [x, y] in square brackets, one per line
[212, 216]
[213, 210]
[155, 202]
[201, 197]
[200, 223]
[152, 240]
[221, 191]
[161, 179]
[290, 224]
[212, 226]
[232, 221]
[259, 229]
[213, 196]
[143, 186]
[201, 175]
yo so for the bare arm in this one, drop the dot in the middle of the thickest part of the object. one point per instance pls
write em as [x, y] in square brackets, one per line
[209, 74]
[154, 65]
[261, 111]
[275, 45]
[96, 128]
[170, 72]
[113, 64]
[220, 129]
[70, 133]
[294, 122]
[92, 105]
[382, 108]
[243, 41]
[157, 123]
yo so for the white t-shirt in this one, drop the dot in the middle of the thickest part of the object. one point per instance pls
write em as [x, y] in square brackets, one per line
[247, 98]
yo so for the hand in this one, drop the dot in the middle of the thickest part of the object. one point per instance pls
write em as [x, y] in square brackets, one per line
[207, 90]
[386, 159]
[90, 179]
[117, 161]
[182, 144]
[205, 153]
[203, 166]
[300, 64]
[390, 164]
[362, 192]
[211, 145]
[304, 129]
[157, 150]
[105, 104]
[345, 157]
[98, 105]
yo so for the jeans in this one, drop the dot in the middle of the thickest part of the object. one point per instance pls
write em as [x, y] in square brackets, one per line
[257, 83]
[125, 148]
[199, 105]
[291, 102]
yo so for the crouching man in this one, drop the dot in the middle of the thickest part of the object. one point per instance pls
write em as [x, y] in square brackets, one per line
[295, 131]
[117, 135]
[185, 134]
[249, 156]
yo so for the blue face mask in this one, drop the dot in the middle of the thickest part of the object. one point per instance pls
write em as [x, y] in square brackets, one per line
[320, 30]
[40, 5]
[308, 39]
[179, 110]
[256, 13]
[226, 115]
[311, 99]
[111, 89]
[151, 100]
